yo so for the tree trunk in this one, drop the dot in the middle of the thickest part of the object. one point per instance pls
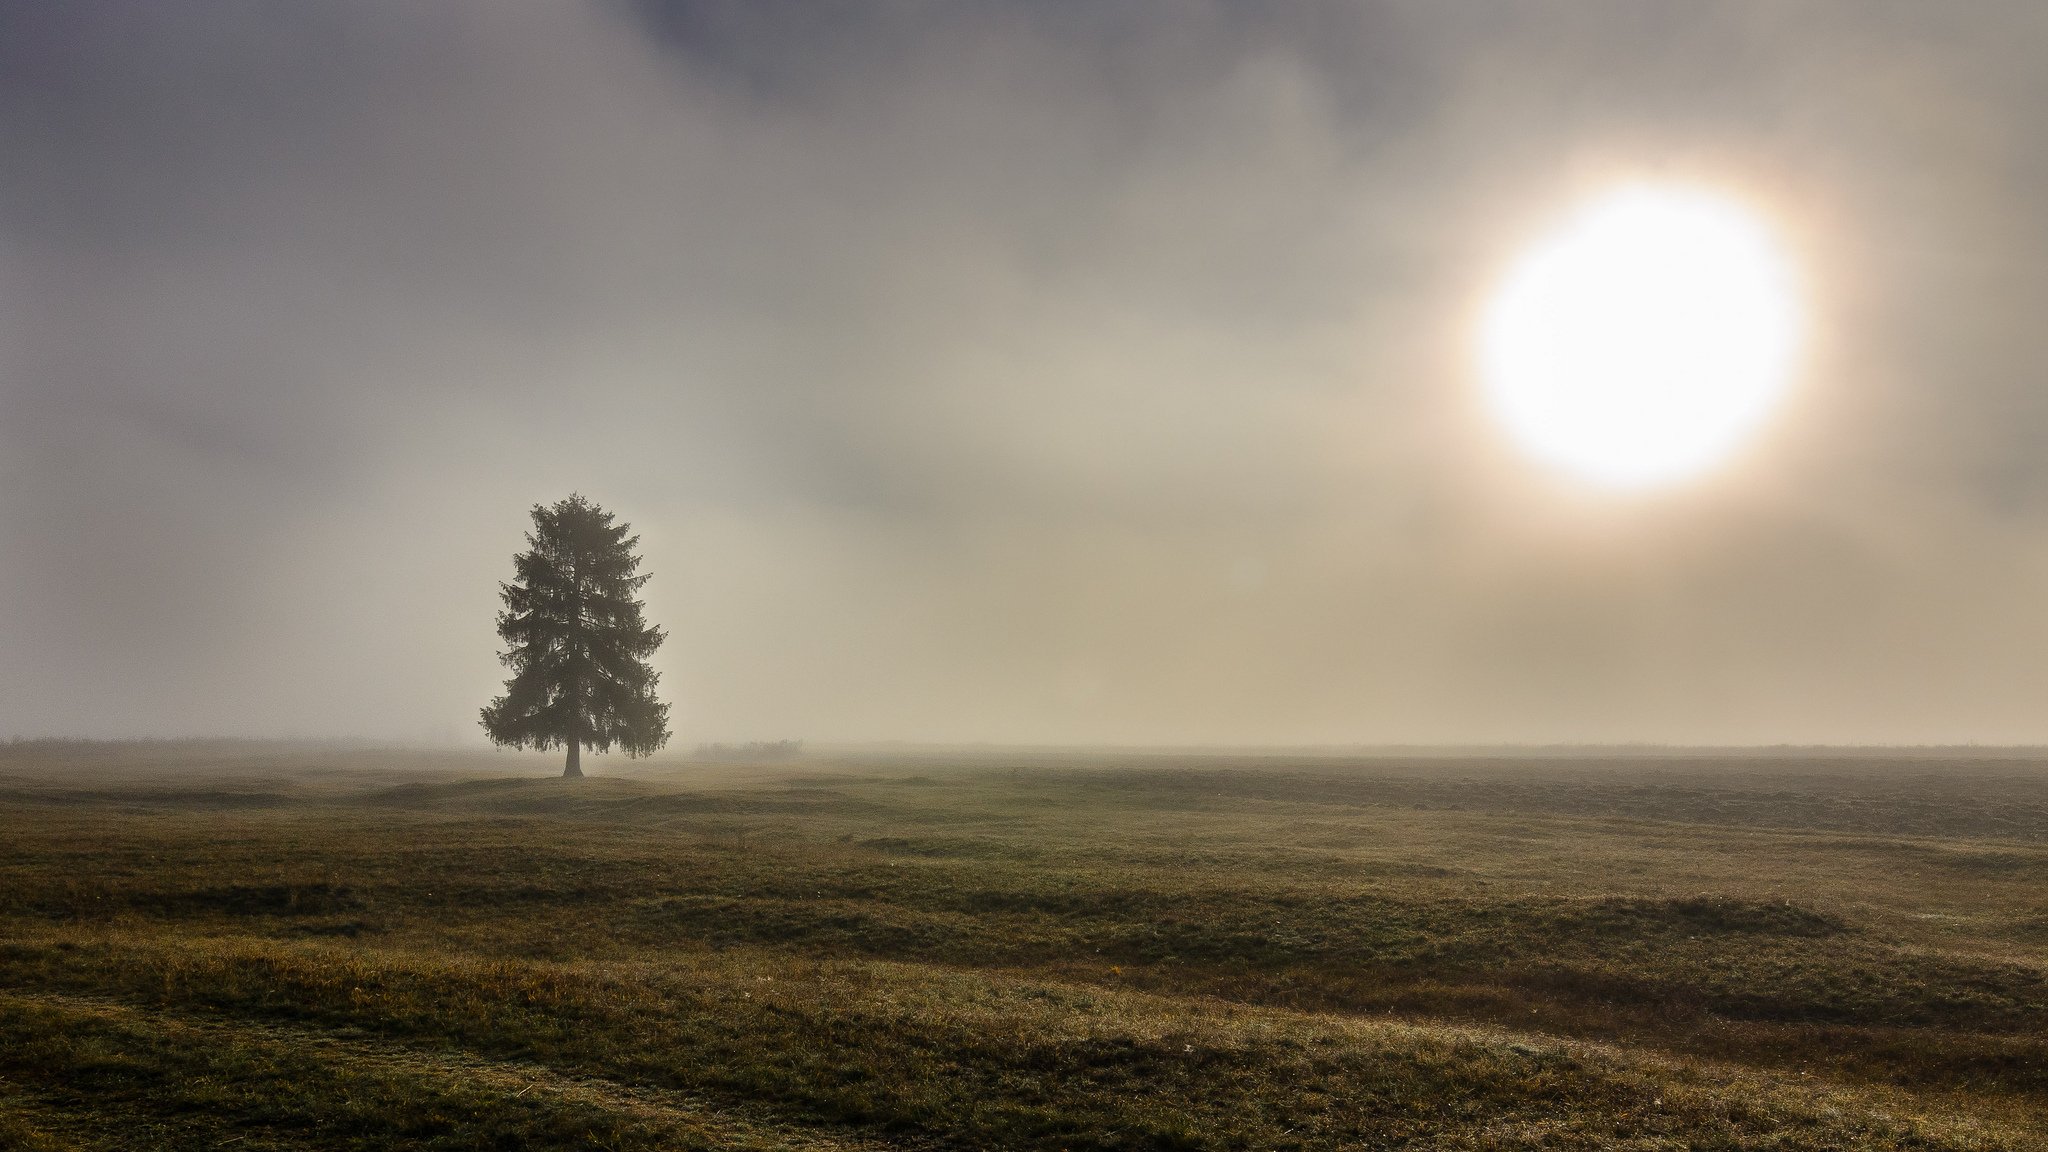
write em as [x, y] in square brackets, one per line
[575, 765]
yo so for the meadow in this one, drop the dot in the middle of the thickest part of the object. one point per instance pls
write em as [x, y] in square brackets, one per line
[256, 946]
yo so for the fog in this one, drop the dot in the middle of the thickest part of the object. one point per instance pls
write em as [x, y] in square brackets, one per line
[1036, 372]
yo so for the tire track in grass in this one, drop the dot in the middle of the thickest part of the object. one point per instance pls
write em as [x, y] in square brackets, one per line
[699, 1120]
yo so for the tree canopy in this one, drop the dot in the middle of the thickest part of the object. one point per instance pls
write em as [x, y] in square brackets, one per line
[576, 641]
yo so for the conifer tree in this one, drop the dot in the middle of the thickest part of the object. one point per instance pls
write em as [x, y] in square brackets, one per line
[576, 642]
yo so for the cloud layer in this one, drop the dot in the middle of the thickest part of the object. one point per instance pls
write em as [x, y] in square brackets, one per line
[1025, 371]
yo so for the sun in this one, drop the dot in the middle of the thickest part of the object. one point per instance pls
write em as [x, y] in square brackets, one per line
[1645, 339]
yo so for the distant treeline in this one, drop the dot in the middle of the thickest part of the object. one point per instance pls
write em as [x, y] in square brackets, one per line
[757, 750]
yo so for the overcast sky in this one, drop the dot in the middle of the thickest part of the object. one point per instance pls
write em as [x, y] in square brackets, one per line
[1054, 371]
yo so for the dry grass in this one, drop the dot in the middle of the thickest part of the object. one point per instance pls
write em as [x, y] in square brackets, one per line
[284, 947]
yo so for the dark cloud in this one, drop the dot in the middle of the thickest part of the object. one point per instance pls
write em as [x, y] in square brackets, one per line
[1028, 371]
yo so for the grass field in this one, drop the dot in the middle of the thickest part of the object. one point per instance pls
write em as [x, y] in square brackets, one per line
[251, 946]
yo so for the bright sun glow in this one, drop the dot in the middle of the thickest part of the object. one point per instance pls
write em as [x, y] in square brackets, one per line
[1645, 339]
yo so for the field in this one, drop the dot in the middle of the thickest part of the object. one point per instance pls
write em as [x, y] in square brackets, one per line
[268, 946]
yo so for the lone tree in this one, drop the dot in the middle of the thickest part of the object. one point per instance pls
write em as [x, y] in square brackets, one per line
[576, 642]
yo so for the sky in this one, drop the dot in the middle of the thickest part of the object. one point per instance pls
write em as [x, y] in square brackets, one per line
[1046, 372]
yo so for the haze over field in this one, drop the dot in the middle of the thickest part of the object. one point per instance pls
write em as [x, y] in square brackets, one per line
[1015, 372]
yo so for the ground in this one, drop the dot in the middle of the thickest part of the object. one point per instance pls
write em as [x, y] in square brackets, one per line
[265, 946]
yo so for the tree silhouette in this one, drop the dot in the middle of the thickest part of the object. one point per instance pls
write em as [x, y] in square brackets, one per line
[576, 642]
